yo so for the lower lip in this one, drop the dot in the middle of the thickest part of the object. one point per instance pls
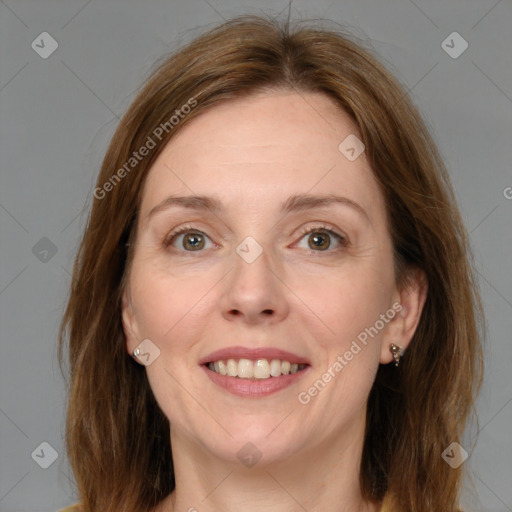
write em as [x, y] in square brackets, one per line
[254, 388]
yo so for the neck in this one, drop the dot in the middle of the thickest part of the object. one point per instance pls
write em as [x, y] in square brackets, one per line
[323, 478]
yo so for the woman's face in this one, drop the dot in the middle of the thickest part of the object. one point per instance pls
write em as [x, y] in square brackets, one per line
[288, 250]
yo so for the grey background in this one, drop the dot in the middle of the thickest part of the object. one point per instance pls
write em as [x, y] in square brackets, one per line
[57, 115]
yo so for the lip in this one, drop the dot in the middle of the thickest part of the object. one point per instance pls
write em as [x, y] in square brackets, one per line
[253, 354]
[249, 388]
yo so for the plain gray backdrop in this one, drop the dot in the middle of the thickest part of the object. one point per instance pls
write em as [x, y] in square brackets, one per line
[59, 110]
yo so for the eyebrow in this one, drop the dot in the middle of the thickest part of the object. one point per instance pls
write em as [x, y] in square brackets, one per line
[295, 203]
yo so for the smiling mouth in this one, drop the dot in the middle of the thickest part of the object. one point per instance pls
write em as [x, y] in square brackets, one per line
[259, 369]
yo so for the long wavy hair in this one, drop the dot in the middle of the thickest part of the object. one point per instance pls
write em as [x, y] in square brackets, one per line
[414, 411]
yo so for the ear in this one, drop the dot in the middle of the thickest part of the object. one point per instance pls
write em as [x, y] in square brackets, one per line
[129, 323]
[408, 302]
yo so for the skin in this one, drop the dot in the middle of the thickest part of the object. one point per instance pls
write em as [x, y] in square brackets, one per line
[252, 154]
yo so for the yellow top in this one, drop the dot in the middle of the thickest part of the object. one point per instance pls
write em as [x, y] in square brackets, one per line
[76, 508]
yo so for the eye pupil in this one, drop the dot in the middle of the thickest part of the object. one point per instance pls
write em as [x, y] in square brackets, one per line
[193, 241]
[317, 239]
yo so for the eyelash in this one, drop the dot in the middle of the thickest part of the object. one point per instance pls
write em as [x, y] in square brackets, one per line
[306, 231]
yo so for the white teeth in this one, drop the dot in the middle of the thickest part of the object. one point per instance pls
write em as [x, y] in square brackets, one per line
[245, 369]
[275, 367]
[222, 368]
[259, 369]
[232, 368]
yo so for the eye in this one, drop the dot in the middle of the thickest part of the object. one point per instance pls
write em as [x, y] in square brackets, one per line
[320, 238]
[192, 239]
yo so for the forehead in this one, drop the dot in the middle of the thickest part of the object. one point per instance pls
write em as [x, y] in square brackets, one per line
[261, 148]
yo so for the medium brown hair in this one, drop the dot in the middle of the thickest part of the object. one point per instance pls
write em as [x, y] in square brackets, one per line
[117, 437]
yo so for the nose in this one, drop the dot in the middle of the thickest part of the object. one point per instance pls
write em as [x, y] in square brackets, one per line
[255, 292]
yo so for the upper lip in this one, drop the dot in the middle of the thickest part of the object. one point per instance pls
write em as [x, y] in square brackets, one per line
[253, 354]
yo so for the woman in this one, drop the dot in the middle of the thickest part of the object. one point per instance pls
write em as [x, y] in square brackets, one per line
[274, 241]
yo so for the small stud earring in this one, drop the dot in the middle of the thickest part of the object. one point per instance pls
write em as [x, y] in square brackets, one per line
[397, 353]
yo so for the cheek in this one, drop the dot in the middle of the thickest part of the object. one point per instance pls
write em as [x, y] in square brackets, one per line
[346, 304]
[351, 305]
[170, 311]
[164, 303]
